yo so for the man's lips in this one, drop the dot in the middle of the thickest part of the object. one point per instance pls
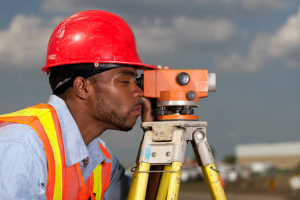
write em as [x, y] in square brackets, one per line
[137, 109]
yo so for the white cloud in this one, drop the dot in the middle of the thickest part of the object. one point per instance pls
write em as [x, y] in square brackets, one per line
[256, 6]
[260, 5]
[256, 58]
[62, 5]
[205, 31]
[286, 42]
[190, 8]
[282, 46]
[157, 39]
[24, 43]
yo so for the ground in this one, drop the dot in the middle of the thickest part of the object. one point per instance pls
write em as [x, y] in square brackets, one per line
[197, 190]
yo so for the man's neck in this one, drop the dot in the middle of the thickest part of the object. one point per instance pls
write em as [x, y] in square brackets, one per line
[88, 126]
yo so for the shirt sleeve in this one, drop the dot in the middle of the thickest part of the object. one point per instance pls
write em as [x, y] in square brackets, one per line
[119, 183]
[23, 164]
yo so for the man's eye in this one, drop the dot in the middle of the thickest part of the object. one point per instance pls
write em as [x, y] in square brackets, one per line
[125, 82]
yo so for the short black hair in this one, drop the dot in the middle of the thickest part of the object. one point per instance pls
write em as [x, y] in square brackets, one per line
[62, 77]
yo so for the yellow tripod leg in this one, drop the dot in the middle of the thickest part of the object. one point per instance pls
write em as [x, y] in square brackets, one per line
[133, 184]
[164, 184]
[213, 182]
[174, 181]
[141, 182]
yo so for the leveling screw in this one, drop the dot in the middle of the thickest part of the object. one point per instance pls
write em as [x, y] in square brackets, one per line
[154, 154]
[199, 134]
[168, 153]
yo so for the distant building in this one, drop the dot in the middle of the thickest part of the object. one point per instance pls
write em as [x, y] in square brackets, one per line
[283, 155]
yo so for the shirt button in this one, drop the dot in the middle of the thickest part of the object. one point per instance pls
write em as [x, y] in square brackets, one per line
[98, 155]
[86, 162]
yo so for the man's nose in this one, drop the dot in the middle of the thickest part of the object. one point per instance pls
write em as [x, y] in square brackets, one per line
[138, 92]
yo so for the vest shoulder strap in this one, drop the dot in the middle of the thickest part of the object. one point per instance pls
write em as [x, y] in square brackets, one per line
[44, 120]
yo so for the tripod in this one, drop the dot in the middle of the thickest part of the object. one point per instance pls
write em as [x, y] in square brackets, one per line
[165, 140]
[164, 143]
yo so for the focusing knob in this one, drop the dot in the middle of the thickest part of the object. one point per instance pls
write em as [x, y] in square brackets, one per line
[183, 78]
[191, 95]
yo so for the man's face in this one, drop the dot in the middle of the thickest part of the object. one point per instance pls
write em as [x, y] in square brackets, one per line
[116, 98]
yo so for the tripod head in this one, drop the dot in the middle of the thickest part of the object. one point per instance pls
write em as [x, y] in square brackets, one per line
[177, 91]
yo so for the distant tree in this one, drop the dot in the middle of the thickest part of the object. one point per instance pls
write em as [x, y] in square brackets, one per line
[229, 159]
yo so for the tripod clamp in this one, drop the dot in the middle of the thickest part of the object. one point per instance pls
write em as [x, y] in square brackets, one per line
[214, 169]
[155, 171]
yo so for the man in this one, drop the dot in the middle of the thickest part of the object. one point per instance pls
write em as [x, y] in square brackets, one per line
[52, 151]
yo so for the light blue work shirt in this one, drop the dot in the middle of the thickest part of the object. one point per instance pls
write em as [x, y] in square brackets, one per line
[23, 162]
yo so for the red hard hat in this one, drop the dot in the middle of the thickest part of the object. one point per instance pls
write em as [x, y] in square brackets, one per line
[93, 36]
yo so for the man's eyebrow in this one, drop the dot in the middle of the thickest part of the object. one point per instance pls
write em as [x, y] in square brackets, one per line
[127, 73]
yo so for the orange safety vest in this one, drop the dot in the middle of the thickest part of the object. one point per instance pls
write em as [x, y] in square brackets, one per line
[63, 183]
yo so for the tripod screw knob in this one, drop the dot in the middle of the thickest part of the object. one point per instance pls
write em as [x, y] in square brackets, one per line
[161, 111]
[187, 111]
[199, 135]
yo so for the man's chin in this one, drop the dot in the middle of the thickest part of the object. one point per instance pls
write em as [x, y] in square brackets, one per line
[123, 128]
[126, 129]
[128, 126]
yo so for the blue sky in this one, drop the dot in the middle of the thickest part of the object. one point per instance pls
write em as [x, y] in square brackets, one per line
[252, 45]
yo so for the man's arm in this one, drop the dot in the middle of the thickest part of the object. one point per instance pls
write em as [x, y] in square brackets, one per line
[119, 182]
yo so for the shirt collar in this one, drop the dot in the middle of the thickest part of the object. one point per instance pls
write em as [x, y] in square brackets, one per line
[75, 148]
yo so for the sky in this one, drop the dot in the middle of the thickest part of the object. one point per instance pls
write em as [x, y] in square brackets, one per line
[253, 46]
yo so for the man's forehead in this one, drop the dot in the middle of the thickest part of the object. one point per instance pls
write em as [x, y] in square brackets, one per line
[128, 71]
[116, 72]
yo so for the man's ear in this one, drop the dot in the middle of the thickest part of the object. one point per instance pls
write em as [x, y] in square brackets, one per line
[81, 87]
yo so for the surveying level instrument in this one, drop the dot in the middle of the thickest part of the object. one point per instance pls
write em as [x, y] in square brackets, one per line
[165, 141]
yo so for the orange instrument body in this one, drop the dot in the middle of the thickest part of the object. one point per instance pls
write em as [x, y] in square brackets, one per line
[176, 90]
[162, 84]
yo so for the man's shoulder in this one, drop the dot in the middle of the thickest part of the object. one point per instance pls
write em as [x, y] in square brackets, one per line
[15, 137]
[18, 133]
[23, 166]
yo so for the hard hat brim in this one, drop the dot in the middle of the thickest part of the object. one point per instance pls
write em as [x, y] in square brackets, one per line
[140, 66]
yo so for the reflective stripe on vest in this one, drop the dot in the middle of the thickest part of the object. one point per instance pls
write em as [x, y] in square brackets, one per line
[98, 184]
[44, 120]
